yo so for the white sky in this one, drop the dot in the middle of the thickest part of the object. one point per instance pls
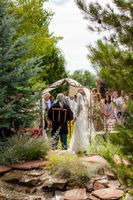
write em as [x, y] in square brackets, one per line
[68, 23]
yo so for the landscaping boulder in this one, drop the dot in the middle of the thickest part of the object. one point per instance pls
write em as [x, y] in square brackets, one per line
[8, 192]
[52, 182]
[4, 169]
[75, 194]
[96, 159]
[92, 197]
[108, 193]
[12, 176]
[114, 184]
[97, 186]
[29, 165]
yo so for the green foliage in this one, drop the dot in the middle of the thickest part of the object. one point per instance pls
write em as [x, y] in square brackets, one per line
[119, 143]
[103, 146]
[35, 22]
[113, 56]
[115, 65]
[124, 137]
[63, 166]
[109, 18]
[16, 94]
[85, 78]
[21, 148]
[109, 150]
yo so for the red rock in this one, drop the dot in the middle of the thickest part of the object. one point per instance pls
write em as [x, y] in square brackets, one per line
[97, 186]
[96, 159]
[4, 169]
[108, 193]
[114, 184]
[75, 194]
[103, 181]
[100, 183]
[29, 165]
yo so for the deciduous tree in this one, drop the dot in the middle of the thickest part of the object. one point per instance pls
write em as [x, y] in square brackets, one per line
[86, 78]
[35, 22]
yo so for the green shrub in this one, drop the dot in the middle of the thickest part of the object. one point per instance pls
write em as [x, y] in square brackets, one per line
[124, 135]
[108, 150]
[70, 167]
[23, 148]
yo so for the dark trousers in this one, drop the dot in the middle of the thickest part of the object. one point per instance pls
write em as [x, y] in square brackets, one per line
[63, 139]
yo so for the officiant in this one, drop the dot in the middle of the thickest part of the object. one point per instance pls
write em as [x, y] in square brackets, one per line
[59, 114]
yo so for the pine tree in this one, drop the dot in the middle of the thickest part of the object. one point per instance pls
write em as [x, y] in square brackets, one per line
[16, 74]
[113, 56]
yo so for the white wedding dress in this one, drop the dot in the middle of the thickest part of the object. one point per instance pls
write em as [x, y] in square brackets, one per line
[80, 136]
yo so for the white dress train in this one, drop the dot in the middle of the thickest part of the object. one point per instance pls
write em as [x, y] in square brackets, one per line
[80, 136]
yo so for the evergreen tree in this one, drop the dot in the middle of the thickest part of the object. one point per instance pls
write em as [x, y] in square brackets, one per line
[113, 56]
[16, 95]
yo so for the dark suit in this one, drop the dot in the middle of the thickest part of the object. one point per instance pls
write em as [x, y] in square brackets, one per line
[59, 117]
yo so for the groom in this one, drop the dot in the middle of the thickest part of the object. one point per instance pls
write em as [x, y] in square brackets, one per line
[60, 114]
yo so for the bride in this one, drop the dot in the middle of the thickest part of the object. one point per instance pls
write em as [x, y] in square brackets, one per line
[80, 139]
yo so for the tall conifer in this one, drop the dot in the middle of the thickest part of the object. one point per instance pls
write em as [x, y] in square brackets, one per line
[16, 74]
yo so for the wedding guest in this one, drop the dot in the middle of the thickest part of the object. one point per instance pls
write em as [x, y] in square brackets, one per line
[108, 112]
[94, 91]
[48, 101]
[121, 105]
[114, 101]
[47, 104]
[93, 94]
[97, 115]
[111, 93]
[102, 88]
